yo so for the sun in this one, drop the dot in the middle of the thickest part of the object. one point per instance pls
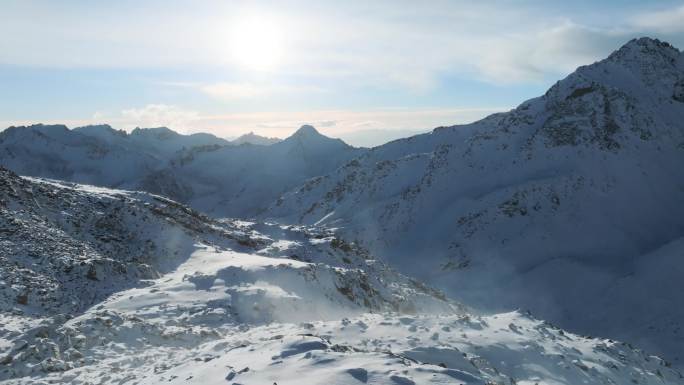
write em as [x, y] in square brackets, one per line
[257, 43]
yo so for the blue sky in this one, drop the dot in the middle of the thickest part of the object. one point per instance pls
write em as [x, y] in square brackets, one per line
[229, 67]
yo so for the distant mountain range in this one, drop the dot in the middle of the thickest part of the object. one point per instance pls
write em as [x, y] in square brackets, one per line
[207, 172]
[569, 205]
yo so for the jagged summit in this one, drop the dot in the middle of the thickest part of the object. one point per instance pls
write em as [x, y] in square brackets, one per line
[646, 46]
[100, 130]
[175, 138]
[655, 63]
[159, 132]
[648, 70]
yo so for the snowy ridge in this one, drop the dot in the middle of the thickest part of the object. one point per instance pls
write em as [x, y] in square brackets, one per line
[73, 249]
[569, 205]
[247, 303]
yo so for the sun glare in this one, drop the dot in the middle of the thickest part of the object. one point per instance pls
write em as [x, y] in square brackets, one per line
[257, 43]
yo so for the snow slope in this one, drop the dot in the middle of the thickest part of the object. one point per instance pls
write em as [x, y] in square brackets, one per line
[569, 205]
[236, 302]
[73, 249]
[502, 349]
[209, 173]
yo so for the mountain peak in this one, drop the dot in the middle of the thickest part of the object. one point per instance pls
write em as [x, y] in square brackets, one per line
[648, 43]
[307, 130]
[308, 136]
[645, 47]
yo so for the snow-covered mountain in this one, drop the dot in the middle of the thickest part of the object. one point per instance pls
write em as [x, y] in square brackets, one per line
[109, 287]
[253, 138]
[241, 181]
[207, 172]
[569, 205]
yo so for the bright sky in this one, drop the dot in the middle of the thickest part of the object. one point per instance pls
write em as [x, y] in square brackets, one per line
[229, 67]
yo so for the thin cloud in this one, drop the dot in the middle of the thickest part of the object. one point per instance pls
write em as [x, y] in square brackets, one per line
[667, 21]
[240, 91]
[560, 48]
[155, 115]
[411, 46]
[283, 123]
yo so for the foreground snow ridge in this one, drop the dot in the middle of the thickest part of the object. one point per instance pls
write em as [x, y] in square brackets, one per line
[508, 348]
[235, 302]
